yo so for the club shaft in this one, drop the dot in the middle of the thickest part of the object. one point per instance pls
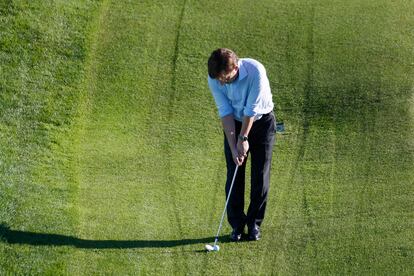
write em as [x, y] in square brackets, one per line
[225, 206]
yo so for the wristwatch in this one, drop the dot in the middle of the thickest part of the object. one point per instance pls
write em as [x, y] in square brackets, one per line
[243, 138]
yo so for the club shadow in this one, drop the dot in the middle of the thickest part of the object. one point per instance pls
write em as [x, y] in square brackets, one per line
[42, 239]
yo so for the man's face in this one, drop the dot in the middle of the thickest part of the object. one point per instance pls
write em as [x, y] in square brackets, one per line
[228, 76]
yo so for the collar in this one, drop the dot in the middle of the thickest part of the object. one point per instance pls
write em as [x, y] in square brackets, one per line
[242, 71]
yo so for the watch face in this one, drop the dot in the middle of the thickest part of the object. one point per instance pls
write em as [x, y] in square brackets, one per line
[243, 138]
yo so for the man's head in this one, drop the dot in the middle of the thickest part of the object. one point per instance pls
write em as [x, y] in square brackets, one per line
[223, 65]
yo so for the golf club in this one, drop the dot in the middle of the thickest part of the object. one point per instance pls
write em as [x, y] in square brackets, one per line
[215, 247]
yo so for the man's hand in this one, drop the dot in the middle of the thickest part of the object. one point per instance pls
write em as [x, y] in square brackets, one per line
[242, 142]
[242, 148]
[237, 158]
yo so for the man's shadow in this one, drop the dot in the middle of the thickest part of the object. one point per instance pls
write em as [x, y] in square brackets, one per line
[40, 239]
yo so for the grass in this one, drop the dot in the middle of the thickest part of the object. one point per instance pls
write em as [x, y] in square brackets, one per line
[43, 48]
[111, 150]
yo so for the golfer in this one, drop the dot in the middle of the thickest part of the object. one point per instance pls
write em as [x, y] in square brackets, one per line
[242, 94]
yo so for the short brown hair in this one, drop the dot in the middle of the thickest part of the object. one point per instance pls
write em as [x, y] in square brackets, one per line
[220, 60]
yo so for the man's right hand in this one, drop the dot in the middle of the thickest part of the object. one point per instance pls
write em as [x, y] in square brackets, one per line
[238, 160]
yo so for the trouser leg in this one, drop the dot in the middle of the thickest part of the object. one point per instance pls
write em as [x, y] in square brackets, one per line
[235, 208]
[261, 148]
[261, 158]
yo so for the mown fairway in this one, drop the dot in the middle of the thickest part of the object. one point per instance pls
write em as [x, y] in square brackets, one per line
[111, 149]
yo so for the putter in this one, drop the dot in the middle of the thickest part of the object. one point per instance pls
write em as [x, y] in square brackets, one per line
[215, 247]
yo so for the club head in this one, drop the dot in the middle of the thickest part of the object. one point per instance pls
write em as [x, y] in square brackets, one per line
[214, 248]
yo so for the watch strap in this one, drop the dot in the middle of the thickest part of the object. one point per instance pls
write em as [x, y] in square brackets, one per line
[243, 138]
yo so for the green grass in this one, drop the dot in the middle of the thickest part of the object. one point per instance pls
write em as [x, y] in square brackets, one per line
[42, 52]
[111, 149]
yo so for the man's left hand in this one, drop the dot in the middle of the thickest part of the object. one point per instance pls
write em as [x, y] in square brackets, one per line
[242, 148]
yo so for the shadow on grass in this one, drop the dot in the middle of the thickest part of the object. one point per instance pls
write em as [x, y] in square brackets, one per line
[40, 239]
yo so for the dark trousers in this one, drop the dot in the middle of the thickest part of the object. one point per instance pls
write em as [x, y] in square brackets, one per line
[261, 140]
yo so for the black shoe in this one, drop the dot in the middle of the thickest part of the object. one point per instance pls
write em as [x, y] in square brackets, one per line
[236, 235]
[254, 234]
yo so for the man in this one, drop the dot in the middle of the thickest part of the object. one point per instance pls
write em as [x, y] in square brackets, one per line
[242, 94]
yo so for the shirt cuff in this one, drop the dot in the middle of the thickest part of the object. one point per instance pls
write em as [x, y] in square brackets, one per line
[249, 112]
[224, 114]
